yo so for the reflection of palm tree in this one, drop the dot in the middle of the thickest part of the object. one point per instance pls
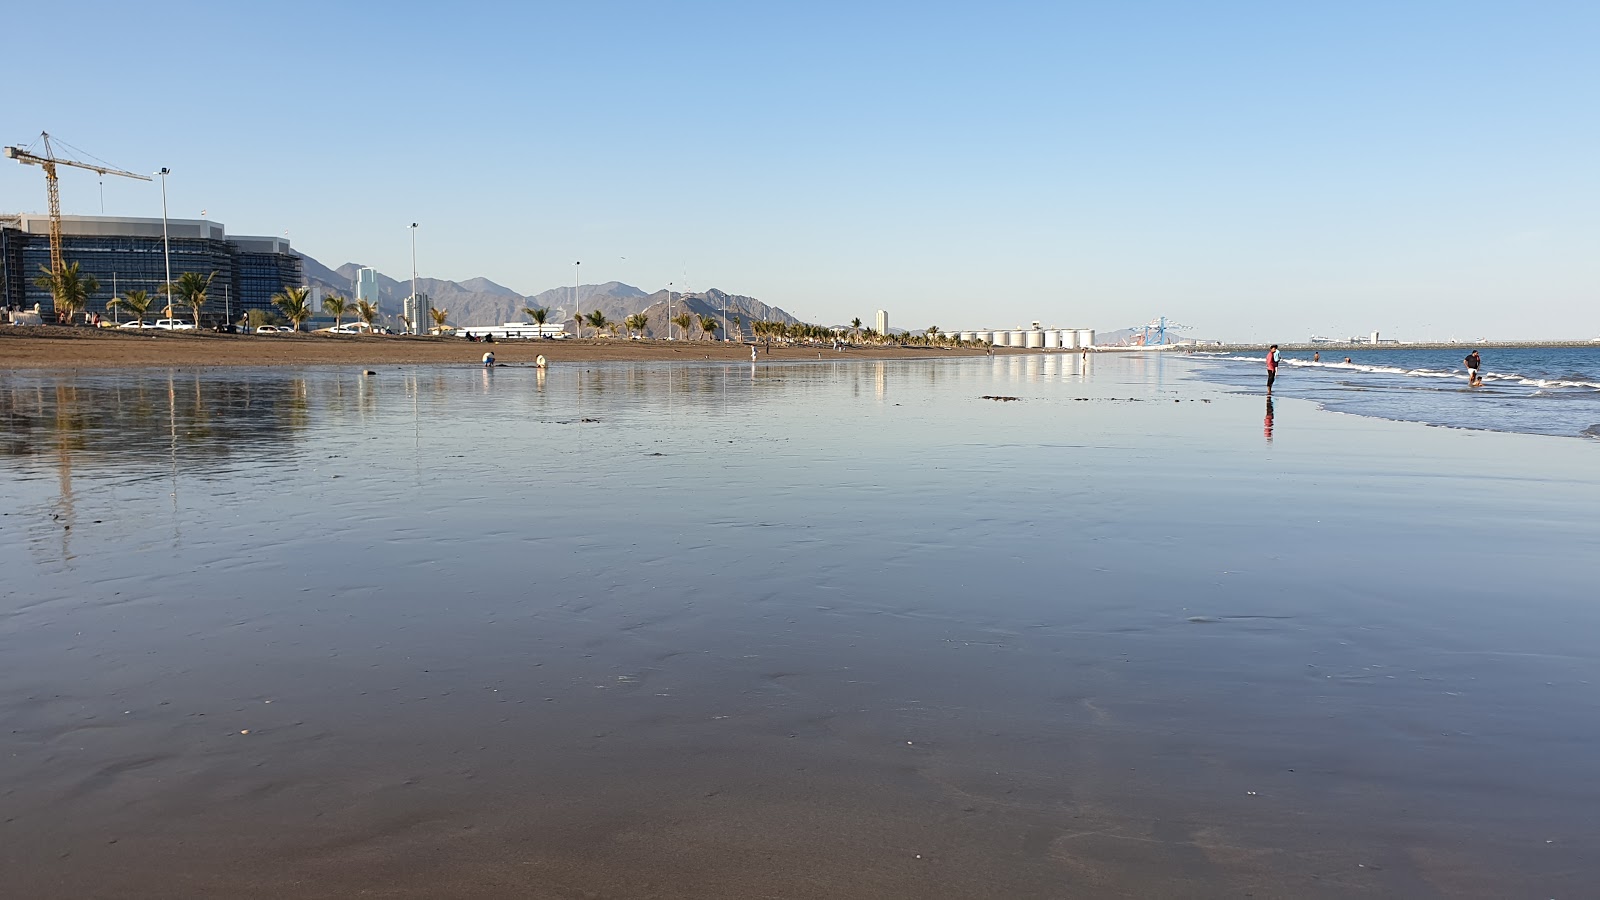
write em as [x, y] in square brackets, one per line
[191, 289]
[135, 302]
[69, 288]
[336, 306]
[708, 326]
[293, 303]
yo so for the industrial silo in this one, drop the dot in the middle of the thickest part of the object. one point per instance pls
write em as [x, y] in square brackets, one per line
[1033, 339]
[1016, 338]
[1052, 339]
[1069, 339]
[969, 336]
[1086, 337]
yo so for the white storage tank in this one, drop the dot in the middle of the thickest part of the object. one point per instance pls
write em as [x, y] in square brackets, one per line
[1085, 337]
[1034, 339]
[1017, 338]
[969, 336]
[981, 337]
[1052, 340]
[1069, 339]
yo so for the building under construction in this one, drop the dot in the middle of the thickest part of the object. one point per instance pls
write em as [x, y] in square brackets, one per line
[126, 254]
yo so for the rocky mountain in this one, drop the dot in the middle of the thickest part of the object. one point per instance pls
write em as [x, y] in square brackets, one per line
[479, 301]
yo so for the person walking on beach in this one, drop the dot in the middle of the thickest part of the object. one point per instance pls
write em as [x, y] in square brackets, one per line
[1474, 362]
[1272, 366]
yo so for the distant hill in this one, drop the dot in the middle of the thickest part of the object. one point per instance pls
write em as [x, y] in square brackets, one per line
[479, 301]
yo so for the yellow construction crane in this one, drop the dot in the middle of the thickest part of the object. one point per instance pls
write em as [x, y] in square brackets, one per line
[48, 162]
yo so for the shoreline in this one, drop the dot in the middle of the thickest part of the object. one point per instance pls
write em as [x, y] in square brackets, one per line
[54, 347]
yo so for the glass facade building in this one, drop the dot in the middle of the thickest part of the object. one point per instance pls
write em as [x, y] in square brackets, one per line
[128, 254]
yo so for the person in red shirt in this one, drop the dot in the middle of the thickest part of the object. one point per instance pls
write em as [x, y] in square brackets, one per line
[1272, 366]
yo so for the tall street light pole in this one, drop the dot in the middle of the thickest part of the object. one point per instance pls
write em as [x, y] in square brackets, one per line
[166, 246]
[415, 305]
[669, 310]
[575, 312]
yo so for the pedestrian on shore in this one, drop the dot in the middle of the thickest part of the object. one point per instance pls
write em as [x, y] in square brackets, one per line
[488, 360]
[1474, 362]
[752, 352]
[1272, 366]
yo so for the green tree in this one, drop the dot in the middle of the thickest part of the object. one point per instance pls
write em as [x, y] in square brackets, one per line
[295, 305]
[855, 325]
[367, 311]
[577, 320]
[708, 326]
[637, 323]
[191, 288]
[538, 315]
[69, 288]
[137, 303]
[683, 323]
[598, 320]
[338, 307]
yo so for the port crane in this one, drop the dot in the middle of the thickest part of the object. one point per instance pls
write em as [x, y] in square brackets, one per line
[48, 162]
[1159, 326]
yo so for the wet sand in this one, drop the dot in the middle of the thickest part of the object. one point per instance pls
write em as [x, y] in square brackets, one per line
[55, 347]
[793, 631]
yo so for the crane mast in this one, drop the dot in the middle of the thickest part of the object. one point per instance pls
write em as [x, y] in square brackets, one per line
[48, 163]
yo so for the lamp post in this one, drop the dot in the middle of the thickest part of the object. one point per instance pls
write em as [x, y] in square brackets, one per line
[669, 310]
[415, 308]
[575, 312]
[166, 245]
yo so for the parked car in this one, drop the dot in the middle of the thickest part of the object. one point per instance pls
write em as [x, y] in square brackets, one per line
[273, 329]
[174, 325]
[137, 325]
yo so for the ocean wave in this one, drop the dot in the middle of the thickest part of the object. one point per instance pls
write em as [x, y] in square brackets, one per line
[1574, 380]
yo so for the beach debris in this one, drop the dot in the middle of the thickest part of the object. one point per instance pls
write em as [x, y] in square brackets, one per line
[1001, 399]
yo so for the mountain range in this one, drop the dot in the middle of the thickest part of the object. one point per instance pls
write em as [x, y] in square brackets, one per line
[481, 302]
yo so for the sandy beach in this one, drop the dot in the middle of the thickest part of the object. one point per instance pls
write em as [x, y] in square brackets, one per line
[56, 347]
[840, 630]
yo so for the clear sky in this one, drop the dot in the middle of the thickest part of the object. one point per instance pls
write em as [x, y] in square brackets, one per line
[1254, 170]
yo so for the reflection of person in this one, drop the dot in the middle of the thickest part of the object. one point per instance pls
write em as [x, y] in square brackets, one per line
[1272, 366]
[1474, 362]
[1266, 424]
[488, 359]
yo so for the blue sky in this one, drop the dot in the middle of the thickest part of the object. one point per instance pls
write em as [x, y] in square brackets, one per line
[1254, 170]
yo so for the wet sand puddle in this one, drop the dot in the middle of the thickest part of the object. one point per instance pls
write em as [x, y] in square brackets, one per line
[800, 630]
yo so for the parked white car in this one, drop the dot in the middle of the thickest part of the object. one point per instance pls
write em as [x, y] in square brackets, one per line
[273, 329]
[174, 325]
[137, 325]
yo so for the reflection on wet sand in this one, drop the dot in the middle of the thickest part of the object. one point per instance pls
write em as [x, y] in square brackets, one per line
[831, 628]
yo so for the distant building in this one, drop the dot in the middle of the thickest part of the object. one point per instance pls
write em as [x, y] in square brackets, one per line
[417, 312]
[366, 286]
[882, 326]
[126, 254]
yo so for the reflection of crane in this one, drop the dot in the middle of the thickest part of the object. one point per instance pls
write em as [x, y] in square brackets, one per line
[48, 162]
[1159, 325]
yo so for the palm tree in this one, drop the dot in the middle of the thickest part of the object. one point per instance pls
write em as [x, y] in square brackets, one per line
[683, 323]
[366, 311]
[191, 289]
[577, 319]
[68, 287]
[439, 317]
[855, 325]
[135, 302]
[637, 323]
[537, 315]
[338, 307]
[738, 326]
[293, 303]
[598, 320]
[708, 325]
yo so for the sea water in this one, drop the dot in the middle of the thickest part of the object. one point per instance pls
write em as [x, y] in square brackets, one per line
[1552, 390]
[725, 630]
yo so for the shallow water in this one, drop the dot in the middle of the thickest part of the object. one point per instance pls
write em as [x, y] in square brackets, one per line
[1530, 390]
[836, 629]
